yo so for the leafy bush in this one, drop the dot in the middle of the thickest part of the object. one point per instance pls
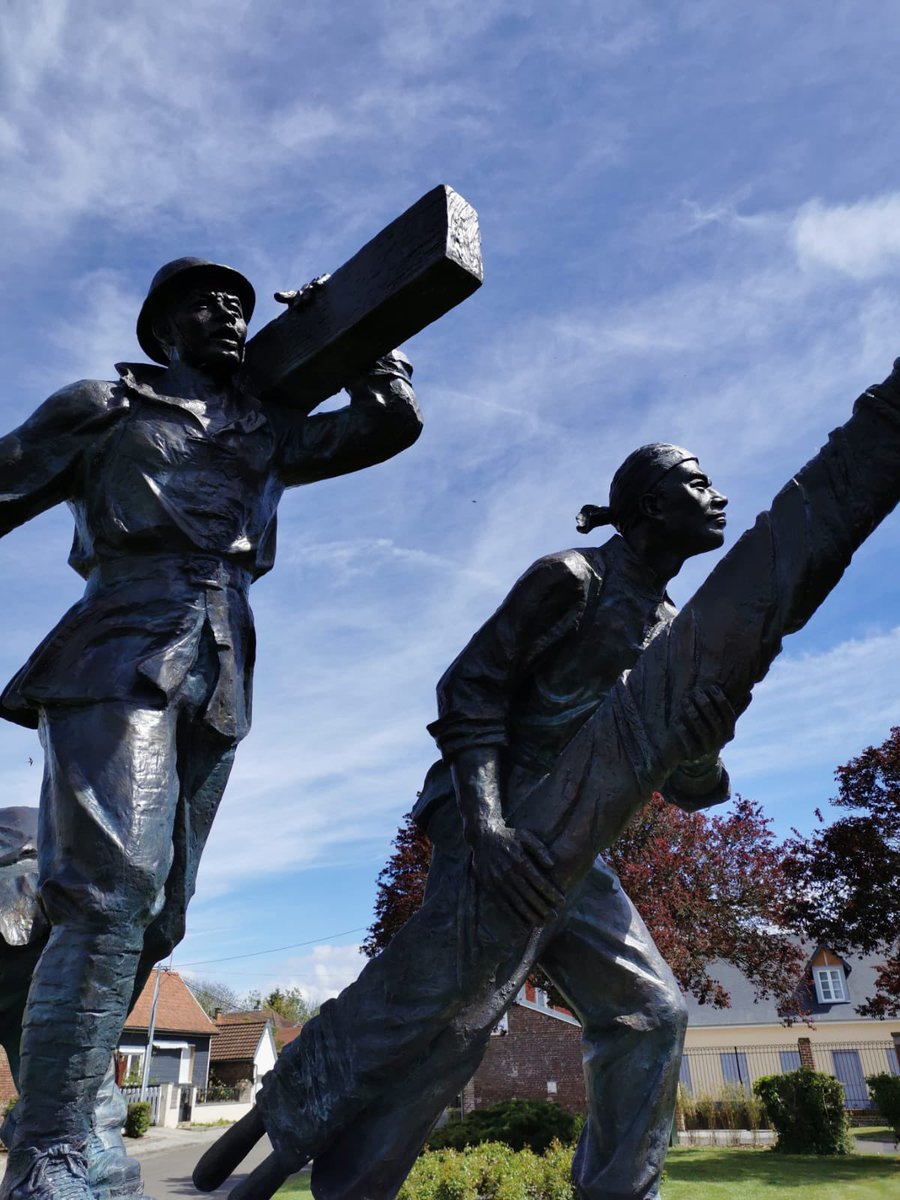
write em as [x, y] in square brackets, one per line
[137, 1121]
[519, 1124]
[885, 1090]
[491, 1171]
[806, 1109]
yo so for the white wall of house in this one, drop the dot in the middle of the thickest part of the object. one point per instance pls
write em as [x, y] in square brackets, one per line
[264, 1059]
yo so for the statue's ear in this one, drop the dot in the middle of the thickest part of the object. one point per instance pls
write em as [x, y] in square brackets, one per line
[162, 330]
[649, 505]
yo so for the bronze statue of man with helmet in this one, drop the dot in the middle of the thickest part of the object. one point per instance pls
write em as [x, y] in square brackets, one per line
[143, 690]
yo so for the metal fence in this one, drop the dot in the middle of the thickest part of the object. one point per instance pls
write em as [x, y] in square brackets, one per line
[712, 1072]
[219, 1092]
[153, 1096]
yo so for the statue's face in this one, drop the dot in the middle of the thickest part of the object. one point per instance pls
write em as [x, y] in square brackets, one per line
[690, 508]
[206, 329]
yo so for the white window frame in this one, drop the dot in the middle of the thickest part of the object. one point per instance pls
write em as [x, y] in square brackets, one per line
[134, 1061]
[831, 985]
[185, 1061]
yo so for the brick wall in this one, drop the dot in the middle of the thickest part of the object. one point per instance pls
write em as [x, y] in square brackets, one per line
[537, 1050]
[7, 1087]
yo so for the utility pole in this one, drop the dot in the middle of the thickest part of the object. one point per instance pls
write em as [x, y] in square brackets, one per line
[148, 1054]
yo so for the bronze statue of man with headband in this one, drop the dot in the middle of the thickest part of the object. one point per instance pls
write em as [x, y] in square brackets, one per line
[357, 1090]
[525, 684]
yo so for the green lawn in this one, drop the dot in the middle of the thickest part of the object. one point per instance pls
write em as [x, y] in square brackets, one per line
[719, 1173]
[726, 1173]
[873, 1133]
[296, 1187]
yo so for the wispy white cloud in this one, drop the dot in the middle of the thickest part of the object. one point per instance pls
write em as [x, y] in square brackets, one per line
[816, 707]
[861, 240]
[324, 972]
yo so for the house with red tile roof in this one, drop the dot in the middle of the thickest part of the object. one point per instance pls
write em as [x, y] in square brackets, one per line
[181, 1039]
[244, 1049]
[182, 1034]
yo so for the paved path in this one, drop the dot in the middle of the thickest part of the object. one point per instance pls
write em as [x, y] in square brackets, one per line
[168, 1157]
[863, 1146]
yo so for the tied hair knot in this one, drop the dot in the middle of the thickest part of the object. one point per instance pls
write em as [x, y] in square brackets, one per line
[592, 516]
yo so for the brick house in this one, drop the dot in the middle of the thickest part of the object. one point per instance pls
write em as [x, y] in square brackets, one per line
[534, 1054]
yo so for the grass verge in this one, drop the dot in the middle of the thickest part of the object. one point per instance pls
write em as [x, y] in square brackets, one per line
[738, 1173]
[720, 1173]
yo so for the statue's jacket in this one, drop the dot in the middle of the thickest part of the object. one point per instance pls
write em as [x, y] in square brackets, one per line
[175, 516]
[538, 669]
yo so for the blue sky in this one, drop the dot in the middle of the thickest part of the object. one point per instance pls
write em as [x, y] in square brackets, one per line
[691, 226]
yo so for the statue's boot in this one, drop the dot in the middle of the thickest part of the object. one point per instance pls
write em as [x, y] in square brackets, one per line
[55, 1172]
[112, 1174]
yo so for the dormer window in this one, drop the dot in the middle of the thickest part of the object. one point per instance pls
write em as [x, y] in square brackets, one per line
[831, 985]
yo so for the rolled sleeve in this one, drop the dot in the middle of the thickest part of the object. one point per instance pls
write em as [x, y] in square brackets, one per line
[381, 420]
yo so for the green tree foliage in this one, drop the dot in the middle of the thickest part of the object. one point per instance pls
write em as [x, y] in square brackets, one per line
[519, 1124]
[845, 880]
[885, 1091]
[806, 1109]
[289, 1003]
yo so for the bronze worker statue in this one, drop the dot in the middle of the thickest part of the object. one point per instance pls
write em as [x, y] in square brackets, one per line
[142, 692]
[514, 880]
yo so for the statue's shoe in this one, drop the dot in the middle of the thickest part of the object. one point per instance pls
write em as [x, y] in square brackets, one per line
[111, 1173]
[57, 1172]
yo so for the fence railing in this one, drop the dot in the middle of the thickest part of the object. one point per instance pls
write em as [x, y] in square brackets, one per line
[153, 1094]
[219, 1093]
[709, 1072]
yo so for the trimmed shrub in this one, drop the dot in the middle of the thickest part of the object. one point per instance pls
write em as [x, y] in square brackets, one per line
[806, 1109]
[885, 1091]
[137, 1122]
[519, 1124]
[491, 1171]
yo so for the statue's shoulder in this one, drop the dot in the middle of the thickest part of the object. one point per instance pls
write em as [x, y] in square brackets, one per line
[556, 582]
[577, 566]
[85, 397]
[84, 401]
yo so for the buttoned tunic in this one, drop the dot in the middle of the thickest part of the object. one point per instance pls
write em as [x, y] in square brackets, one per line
[174, 512]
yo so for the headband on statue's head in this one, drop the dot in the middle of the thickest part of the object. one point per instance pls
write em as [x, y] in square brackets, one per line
[639, 474]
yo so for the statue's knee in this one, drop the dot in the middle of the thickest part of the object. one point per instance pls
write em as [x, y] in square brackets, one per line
[670, 1014]
[83, 906]
[164, 935]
